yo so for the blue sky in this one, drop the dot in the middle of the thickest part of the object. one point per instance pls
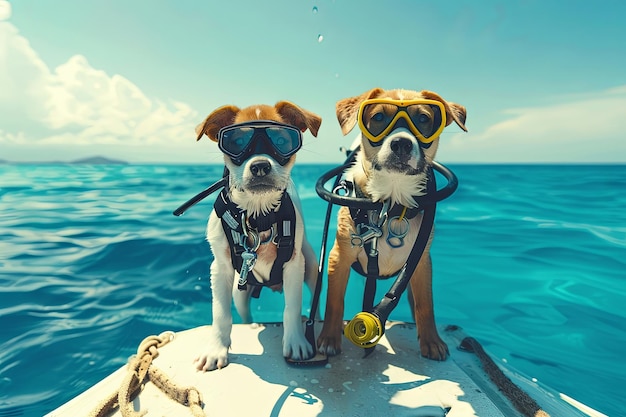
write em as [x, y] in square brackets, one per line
[543, 81]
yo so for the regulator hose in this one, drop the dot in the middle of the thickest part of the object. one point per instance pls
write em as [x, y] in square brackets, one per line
[365, 203]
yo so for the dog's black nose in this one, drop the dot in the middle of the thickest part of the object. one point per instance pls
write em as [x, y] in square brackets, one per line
[401, 146]
[260, 168]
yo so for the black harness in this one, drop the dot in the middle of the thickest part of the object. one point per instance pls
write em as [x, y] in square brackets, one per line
[238, 226]
[362, 219]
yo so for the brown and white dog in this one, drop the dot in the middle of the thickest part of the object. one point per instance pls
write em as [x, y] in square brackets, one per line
[256, 185]
[391, 169]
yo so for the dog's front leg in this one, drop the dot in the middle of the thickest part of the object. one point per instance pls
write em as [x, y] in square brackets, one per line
[216, 354]
[295, 345]
[329, 340]
[340, 260]
[222, 278]
[431, 345]
[242, 303]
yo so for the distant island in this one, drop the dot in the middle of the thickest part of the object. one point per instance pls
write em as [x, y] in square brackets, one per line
[99, 160]
[93, 160]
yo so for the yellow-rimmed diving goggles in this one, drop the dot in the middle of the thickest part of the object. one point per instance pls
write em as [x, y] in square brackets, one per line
[424, 118]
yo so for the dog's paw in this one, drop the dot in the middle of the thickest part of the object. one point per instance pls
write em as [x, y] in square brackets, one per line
[329, 344]
[296, 347]
[435, 349]
[212, 359]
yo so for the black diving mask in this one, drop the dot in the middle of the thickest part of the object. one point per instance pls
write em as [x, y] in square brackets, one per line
[275, 139]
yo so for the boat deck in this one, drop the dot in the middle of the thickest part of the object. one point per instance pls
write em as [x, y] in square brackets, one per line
[394, 380]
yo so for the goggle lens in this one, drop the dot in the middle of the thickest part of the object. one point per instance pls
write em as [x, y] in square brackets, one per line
[235, 141]
[285, 141]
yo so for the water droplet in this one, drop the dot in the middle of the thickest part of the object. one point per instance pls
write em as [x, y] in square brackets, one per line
[314, 9]
[320, 38]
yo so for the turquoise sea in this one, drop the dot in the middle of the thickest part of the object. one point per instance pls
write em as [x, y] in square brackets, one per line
[528, 259]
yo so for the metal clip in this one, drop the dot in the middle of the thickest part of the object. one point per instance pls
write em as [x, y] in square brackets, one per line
[249, 255]
[397, 229]
[249, 260]
[373, 230]
[362, 236]
[256, 241]
[384, 212]
[376, 221]
[344, 188]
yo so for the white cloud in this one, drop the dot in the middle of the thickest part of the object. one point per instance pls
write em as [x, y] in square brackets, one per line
[76, 104]
[586, 128]
[23, 77]
[5, 10]
[83, 96]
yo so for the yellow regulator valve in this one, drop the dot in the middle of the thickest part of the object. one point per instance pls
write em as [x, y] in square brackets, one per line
[364, 330]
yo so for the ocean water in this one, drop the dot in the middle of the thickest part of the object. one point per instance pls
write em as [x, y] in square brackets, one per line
[530, 260]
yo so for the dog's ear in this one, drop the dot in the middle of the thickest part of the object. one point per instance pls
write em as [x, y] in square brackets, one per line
[298, 117]
[221, 117]
[348, 108]
[454, 111]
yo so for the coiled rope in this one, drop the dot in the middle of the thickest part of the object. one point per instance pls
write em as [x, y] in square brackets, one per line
[141, 369]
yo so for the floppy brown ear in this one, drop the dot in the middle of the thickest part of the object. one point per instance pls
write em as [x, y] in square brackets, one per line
[298, 117]
[221, 117]
[348, 108]
[459, 114]
[454, 111]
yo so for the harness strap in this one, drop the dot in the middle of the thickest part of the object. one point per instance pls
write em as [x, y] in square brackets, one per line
[285, 237]
[372, 274]
[369, 293]
[231, 217]
[263, 222]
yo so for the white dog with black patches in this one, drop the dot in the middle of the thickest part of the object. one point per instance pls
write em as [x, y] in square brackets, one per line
[259, 145]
